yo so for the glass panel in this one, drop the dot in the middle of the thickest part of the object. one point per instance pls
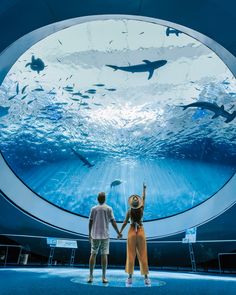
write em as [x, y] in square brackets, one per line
[109, 104]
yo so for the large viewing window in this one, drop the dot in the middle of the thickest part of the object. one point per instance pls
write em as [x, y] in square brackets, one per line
[109, 104]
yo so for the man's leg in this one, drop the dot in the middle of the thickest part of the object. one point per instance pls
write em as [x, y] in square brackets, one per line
[104, 267]
[92, 262]
[104, 253]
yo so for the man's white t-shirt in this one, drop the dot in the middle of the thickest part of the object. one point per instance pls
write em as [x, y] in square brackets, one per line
[101, 215]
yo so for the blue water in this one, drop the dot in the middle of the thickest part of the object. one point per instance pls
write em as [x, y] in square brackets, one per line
[173, 186]
[73, 129]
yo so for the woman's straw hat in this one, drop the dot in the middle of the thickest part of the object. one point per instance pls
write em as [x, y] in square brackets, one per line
[135, 202]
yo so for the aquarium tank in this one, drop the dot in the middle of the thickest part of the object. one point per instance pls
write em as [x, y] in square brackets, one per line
[108, 105]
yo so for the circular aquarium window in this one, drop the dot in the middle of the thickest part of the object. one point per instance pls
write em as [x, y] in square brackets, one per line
[109, 104]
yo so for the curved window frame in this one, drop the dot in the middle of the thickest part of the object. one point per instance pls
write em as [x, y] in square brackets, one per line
[23, 197]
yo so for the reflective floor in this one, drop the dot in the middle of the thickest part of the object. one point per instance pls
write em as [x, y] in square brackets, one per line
[117, 278]
[71, 281]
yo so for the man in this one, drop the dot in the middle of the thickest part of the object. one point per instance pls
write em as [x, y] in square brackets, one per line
[99, 219]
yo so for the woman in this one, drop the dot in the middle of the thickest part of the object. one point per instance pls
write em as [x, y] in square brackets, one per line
[136, 241]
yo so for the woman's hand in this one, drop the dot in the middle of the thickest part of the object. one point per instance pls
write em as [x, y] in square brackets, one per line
[119, 236]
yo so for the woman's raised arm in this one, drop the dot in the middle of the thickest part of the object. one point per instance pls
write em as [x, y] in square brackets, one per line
[144, 193]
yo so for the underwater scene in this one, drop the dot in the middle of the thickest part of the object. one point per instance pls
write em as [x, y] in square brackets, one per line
[109, 104]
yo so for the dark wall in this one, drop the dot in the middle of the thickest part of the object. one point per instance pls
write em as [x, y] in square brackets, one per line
[214, 18]
[212, 238]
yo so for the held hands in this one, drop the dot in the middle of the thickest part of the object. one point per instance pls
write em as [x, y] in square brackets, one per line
[119, 235]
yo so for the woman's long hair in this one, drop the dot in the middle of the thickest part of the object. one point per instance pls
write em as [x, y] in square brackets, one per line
[136, 214]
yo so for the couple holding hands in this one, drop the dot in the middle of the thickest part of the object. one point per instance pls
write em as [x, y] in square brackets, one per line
[99, 219]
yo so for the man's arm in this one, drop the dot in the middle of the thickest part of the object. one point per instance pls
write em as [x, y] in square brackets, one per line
[113, 222]
[91, 216]
[90, 229]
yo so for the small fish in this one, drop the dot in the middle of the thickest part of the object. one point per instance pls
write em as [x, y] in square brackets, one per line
[77, 93]
[225, 82]
[10, 98]
[84, 104]
[24, 97]
[85, 96]
[59, 41]
[68, 87]
[141, 33]
[99, 85]
[29, 102]
[75, 99]
[17, 88]
[91, 91]
[38, 89]
[111, 89]
[110, 41]
[115, 183]
[58, 60]
[23, 89]
[52, 92]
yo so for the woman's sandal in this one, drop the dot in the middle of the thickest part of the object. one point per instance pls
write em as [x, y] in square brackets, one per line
[90, 280]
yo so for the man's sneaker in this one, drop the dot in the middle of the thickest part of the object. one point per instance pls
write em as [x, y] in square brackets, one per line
[147, 282]
[129, 282]
[90, 280]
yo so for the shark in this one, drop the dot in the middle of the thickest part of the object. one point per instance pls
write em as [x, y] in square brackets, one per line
[82, 159]
[213, 107]
[172, 31]
[147, 66]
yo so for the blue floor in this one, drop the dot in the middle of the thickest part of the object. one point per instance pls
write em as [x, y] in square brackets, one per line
[27, 281]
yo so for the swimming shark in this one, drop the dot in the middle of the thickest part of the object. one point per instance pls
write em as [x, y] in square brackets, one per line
[219, 111]
[172, 31]
[148, 66]
[82, 158]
